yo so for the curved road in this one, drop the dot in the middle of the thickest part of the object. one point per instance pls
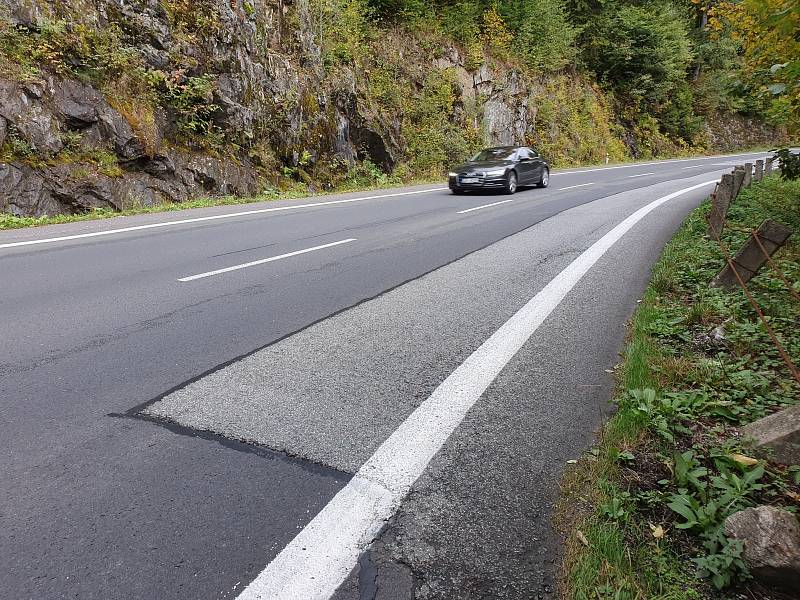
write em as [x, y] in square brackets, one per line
[182, 394]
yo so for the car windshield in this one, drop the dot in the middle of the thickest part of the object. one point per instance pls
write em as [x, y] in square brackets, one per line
[493, 154]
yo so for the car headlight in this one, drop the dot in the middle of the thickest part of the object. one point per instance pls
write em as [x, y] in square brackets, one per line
[494, 172]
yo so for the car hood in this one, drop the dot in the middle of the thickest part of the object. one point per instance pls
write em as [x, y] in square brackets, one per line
[482, 166]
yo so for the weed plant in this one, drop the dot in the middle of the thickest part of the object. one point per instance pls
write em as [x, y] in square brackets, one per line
[671, 465]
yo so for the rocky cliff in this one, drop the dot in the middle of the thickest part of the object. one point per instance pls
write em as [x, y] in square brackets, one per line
[118, 103]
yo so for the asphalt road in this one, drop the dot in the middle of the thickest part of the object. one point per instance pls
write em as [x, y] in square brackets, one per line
[178, 401]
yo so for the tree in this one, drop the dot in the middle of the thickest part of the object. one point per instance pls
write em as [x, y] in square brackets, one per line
[642, 52]
[544, 37]
[766, 32]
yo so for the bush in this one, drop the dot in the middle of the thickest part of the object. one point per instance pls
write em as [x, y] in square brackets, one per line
[790, 164]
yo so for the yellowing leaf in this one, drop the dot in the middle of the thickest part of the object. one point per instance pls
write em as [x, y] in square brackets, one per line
[582, 538]
[744, 460]
[658, 531]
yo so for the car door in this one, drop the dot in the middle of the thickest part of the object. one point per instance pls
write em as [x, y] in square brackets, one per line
[527, 166]
[537, 165]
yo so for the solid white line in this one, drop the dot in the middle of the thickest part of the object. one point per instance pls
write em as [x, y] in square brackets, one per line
[461, 212]
[263, 261]
[660, 162]
[319, 558]
[640, 175]
[211, 218]
[569, 187]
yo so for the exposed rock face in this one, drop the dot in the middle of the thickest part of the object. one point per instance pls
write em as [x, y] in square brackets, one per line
[258, 82]
[771, 545]
[727, 132]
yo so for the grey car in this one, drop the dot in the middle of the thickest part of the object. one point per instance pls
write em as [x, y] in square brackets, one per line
[504, 168]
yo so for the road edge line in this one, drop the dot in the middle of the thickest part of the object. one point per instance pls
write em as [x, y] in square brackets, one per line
[315, 563]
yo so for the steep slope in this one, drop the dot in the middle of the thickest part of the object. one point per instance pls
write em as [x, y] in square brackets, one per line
[113, 104]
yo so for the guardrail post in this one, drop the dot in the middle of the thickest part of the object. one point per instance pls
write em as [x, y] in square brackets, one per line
[759, 174]
[748, 174]
[751, 257]
[720, 201]
[738, 179]
[768, 166]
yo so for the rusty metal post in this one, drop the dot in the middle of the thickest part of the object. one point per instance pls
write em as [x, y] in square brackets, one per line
[751, 257]
[720, 202]
[759, 174]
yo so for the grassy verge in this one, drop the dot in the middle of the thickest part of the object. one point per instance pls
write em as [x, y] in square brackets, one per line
[643, 511]
[8, 221]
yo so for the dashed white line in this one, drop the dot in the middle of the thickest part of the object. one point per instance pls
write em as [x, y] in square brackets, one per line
[461, 212]
[243, 213]
[640, 175]
[264, 261]
[569, 187]
[319, 558]
[694, 167]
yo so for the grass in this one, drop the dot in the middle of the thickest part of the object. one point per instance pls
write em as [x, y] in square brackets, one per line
[9, 221]
[681, 393]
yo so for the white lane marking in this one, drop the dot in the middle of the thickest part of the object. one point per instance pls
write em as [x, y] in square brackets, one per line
[264, 261]
[695, 167]
[660, 162]
[319, 558]
[461, 212]
[569, 187]
[211, 218]
[640, 175]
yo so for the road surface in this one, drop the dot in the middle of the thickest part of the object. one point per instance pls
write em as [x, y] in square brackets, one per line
[235, 400]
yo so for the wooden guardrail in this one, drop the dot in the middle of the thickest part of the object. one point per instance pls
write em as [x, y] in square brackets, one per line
[757, 251]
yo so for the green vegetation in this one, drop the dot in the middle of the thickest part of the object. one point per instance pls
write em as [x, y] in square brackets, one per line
[651, 499]
[665, 63]
[96, 160]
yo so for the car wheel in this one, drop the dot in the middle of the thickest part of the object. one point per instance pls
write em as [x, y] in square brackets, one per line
[545, 181]
[511, 184]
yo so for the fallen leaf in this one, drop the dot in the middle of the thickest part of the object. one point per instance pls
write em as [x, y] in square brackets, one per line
[794, 496]
[572, 461]
[744, 460]
[582, 538]
[658, 531]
